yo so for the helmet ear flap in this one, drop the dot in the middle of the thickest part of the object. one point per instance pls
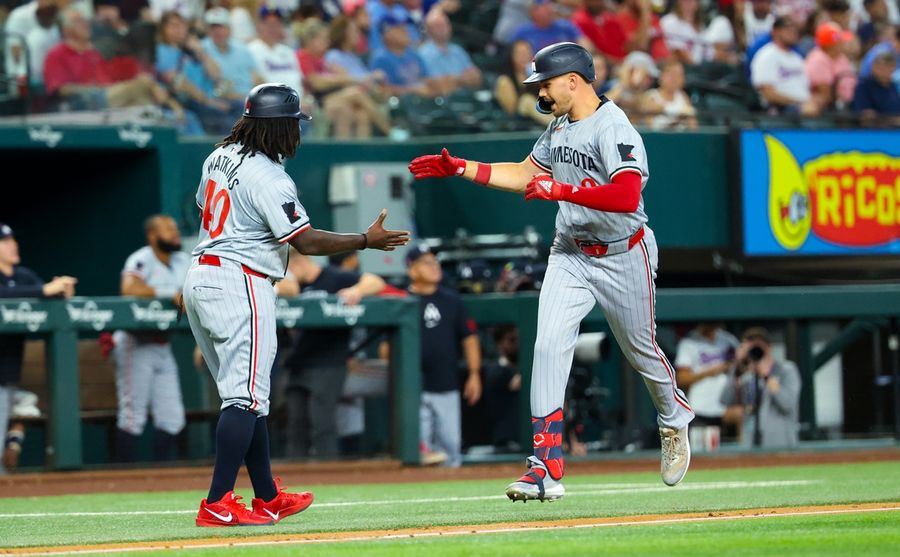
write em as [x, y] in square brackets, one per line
[543, 106]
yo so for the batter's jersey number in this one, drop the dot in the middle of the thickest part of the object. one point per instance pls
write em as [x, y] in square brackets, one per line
[215, 209]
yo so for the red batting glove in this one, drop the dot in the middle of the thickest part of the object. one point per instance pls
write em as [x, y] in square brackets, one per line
[437, 166]
[545, 187]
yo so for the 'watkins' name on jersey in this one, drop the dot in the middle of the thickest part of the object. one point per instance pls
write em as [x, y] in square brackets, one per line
[227, 166]
[569, 155]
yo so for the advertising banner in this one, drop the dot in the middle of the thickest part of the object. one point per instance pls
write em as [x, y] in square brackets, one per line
[820, 192]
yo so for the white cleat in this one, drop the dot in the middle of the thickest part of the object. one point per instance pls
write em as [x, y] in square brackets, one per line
[532, 486]
[676, 454]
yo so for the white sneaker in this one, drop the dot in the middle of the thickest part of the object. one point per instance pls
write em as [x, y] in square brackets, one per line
[676, 454]
[533, 486]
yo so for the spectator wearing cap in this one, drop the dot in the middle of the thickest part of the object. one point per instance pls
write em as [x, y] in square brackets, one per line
[17, 281]
[402, 66]
[778, 73]
[830, 73]
[275, 60]
[546, 27]
[238, 67]
[877, 96]
[635, 76]
[447, 332]
[766, 389]
[243, 26]
[598, 24]
[396, 11]
[349, 106]
[444, 60]
[641, 29]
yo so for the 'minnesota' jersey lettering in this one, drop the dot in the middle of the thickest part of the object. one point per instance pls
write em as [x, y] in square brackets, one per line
[588, 153]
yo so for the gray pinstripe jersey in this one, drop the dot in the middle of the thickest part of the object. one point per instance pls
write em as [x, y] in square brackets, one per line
[588, 153]
[249, 210]
[166, 280]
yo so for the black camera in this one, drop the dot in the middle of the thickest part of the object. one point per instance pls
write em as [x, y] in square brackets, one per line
[756, 353]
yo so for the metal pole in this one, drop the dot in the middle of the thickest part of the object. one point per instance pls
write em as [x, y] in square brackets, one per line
[894, 347]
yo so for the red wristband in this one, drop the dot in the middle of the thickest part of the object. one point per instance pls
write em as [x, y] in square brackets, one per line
[483, 174]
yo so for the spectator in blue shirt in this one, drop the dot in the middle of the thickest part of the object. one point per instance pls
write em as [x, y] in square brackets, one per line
[444, 59]
[545, 28]
[380, 9]
[877, 95]
[237, 64]
[403, 68]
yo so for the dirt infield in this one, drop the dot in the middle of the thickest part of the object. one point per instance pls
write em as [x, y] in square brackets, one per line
[469, 529]
[387, 471]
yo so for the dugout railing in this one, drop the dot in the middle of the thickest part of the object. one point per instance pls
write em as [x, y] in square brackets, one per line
[858, 307]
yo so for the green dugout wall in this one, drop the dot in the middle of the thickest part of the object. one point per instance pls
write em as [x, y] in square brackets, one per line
[81, 210]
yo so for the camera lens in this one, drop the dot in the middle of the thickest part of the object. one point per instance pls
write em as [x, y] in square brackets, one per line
[756, 353]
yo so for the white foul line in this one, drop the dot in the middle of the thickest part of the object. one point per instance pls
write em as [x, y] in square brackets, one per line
[463, 532]
[610, 489]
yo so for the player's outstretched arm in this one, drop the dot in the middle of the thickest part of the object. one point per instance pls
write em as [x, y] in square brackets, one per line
[324, 242]
[506, 176]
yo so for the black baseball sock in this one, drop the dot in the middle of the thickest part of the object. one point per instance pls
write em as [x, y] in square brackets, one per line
[258, 465]
[126, 446]
[165, 445]
[234, 433]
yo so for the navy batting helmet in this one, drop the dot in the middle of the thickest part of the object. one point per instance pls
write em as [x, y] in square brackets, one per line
[561, 58]
[274, 100]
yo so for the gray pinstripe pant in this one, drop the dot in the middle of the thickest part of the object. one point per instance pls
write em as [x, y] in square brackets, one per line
[623, 285]
[232, 316]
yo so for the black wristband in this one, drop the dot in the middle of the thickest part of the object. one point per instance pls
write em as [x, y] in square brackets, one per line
[365, 240]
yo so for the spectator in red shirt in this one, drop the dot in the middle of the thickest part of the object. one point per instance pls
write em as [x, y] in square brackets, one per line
[641, 29]
[600, 26]
[74, 72]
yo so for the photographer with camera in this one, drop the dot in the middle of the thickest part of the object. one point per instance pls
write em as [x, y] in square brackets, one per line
[768, 390]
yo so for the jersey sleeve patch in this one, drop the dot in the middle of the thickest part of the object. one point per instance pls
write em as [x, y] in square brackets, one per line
[290, 210]
[626, 152]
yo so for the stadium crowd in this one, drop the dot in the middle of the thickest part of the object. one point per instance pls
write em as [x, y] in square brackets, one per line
[365, 65]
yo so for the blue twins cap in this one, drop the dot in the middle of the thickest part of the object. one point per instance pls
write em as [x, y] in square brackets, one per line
[391, 21]
[416, 252]
[6, 232]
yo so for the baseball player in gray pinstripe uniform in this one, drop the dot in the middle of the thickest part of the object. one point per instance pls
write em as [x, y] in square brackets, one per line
[592, 161]
[249, 213]
[146, 372]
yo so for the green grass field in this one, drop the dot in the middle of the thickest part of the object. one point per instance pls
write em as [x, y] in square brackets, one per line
[105, 518]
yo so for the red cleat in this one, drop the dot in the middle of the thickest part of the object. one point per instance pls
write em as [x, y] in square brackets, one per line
[284, 504]
[229, 511]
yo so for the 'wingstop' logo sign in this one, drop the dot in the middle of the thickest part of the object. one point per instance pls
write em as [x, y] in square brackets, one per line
[154, 313]
[23, 314]
[339, 310]
[89, 313]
